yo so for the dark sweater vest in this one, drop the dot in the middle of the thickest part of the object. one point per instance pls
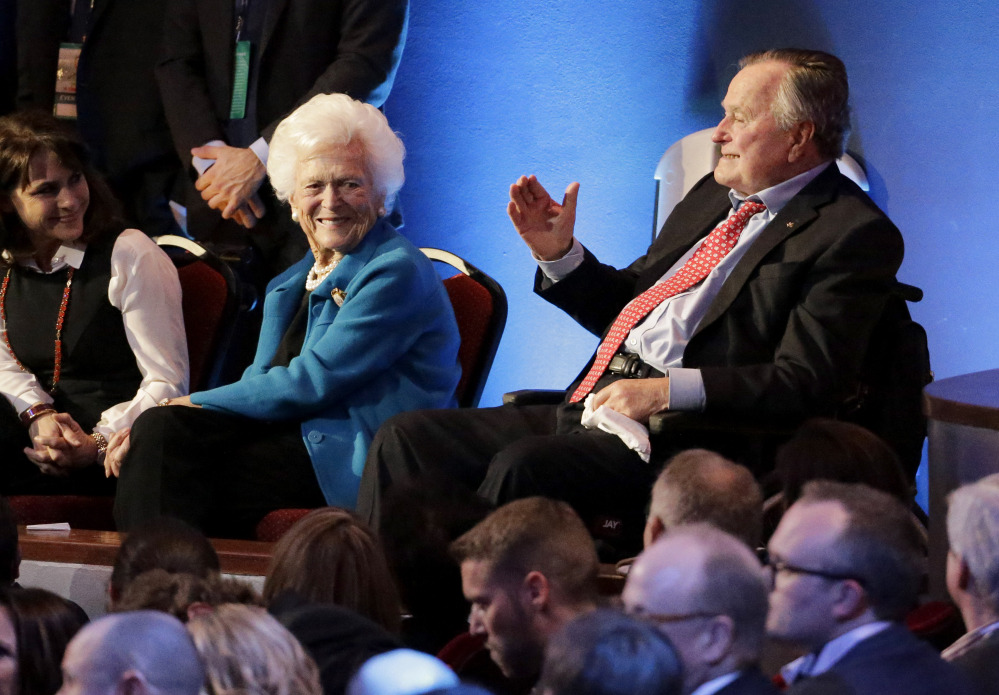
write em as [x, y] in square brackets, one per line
[98, 367]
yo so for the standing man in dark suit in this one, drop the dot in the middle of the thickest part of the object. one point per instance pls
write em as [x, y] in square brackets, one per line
[973, 580]
[116, 105]
[776, 328]
[233, 69]
[707, 592]
[846, 566]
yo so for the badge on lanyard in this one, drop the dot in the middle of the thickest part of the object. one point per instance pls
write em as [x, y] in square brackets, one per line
[65, 85]
[240, 80]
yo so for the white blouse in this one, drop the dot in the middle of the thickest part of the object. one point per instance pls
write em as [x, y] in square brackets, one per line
[145, 288]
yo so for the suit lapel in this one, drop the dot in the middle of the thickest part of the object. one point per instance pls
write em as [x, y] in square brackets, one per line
[794, 218]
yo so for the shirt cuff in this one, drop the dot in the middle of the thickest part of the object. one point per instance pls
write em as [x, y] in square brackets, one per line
[686, 389]
[260, 148]
[556, 270]
[200, 164]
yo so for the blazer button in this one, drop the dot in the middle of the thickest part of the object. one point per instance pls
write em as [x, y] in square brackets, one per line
[315, 437]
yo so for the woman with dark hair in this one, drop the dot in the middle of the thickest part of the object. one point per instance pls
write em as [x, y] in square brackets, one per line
[35, 627]
[90, 315]
[330, 556]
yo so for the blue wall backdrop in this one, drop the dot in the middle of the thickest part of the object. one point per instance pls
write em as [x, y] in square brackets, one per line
[596, 91]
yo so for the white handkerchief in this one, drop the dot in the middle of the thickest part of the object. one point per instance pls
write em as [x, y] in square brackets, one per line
[633, 434]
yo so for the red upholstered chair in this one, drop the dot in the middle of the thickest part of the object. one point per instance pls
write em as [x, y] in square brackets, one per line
[211, 303]
[480, 308]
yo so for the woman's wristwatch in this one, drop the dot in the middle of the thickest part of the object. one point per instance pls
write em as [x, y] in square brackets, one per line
[102, 444]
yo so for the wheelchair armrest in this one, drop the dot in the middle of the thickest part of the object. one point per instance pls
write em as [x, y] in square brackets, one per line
[677, 421]
[533, 397]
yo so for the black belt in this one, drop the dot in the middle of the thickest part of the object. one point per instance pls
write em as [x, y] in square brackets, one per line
[631, 367]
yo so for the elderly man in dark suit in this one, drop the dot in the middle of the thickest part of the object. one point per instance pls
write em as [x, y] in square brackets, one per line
[846, 566]
[973, 580]
[233, 69]
[758, 298]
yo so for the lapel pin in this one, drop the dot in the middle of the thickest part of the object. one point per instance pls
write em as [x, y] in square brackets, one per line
[790, 225]
[338, 296]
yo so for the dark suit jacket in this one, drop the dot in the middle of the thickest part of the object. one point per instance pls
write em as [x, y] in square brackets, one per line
[119, 111]
[308, 47]
[751, 682]
[787, 334]
[891, 662]
[980, 663]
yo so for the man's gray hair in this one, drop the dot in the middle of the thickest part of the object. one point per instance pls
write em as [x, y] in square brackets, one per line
[815, 88]
[973, 532]
[698, 485]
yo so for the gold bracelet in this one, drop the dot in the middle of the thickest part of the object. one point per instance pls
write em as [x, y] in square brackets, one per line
[101, 441]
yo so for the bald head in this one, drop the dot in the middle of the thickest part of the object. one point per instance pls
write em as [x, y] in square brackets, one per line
[706, 590]
[150, 651]
[701, 486]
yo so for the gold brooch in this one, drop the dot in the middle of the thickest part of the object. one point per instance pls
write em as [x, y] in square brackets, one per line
[338, 296]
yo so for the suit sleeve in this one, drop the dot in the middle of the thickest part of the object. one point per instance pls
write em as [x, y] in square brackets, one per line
[183, 79]
[372, 36]
[833, 303]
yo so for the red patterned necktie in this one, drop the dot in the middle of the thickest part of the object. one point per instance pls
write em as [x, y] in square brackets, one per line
[716, 246]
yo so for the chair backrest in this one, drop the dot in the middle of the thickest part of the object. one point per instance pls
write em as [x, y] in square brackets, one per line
[210, 304]
[690, 158]
[896, 368]
[480, 307]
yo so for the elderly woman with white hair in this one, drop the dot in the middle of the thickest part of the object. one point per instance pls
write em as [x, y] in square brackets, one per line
[359, 330]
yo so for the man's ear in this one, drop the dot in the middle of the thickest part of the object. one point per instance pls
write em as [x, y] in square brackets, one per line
[654, 528]
[132, 683]
[535, 590]
[850, 600]
[716, 639]
[801, 135]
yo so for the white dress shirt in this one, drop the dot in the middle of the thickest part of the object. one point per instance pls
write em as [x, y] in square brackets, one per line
[145, 288]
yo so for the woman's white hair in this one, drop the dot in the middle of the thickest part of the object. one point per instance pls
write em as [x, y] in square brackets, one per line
[336, 120]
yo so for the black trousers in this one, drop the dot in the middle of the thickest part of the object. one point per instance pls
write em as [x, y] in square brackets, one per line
[510, 452]
[221, 473]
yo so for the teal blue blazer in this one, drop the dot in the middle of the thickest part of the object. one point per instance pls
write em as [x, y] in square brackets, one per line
[392, 346]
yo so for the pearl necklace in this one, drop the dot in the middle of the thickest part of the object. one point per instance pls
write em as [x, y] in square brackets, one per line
[57, 370]
[318, 273]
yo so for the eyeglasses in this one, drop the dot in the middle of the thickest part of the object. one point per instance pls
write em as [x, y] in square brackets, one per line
[775, 565]
[663, 618]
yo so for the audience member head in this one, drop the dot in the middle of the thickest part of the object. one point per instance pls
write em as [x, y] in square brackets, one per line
[815, 90]
[607, 653]
[246, 650]
[401, 672]
[702, 486]
[827, 449]
[35, 627]
[167, 544]
[336, 121]
[973, 561]
[181, 594]
[10, 551]
[140, 653]
[27, 140]
[841, 557]
[527, 569]
[331, 556]
[707, 592]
